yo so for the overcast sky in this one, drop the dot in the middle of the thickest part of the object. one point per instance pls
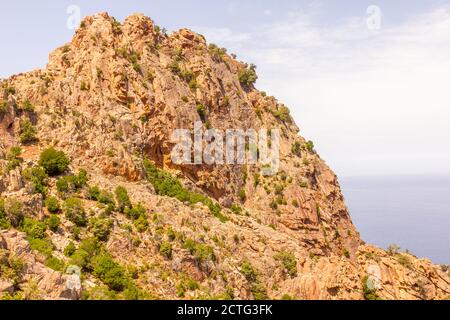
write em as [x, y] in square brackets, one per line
[372, 91]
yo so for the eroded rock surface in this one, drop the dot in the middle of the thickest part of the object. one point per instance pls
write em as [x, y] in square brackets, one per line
[110, 99]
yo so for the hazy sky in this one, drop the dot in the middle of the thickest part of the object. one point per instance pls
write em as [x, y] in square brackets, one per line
[375, 99]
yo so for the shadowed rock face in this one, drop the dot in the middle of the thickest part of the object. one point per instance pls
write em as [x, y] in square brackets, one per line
[113, 96]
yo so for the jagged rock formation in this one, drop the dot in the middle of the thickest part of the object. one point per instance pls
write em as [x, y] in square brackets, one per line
[110, 99]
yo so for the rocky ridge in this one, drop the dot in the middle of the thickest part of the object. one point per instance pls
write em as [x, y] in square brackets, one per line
[110, 100]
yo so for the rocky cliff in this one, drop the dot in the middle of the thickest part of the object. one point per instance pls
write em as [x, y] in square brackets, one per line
[132, 223]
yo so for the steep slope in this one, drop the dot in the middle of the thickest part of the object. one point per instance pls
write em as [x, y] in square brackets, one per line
[110, 99]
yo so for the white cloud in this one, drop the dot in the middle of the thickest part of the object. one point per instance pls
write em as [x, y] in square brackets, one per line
[374, 102]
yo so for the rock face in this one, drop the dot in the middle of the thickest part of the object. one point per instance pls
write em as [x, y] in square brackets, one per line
[35, 281]
[111, 98]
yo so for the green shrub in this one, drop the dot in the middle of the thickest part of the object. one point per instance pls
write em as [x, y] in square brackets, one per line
[166, 185]
[70, 249]
[201, 110]
[201, 252]
[296, 148]
[242, 195]
[106, 197]
[193, 84]
[14, 153]
[38, 178]
[11, 267]
[370, 293]
[236, 209]
[404, 261]
[44, 246]
[259, 291]
[248, 76]
[393, 249]
[289, 262]
[54, 162]
[27, 106]
[279, 190]
[14, 211]
[122, 198]
[257, 288]
[346, 253]
[109, 209]
[141, 223]
[81, 179]
[52, 204]
[4, 221]
[249, 272]
[62, 185]
[175, 68]
[72, 183]
[84, 86]
[87, 250]
[187, 284]
[13, 157]
[109, 272]
[10, 90]
[54, 263]
[283, 113]
[204, 253]
[100, 228]
[274, 205]
[102, 196]
[172, 234]
[310, 146]
[135, 212]
[166, 249]
[187, 76]
[53, 222]
[3, 107]
[33, 228]
[257, 179]
[134, 59]
[93, 193]
[216, 53]
[74, 211]
[27, 131]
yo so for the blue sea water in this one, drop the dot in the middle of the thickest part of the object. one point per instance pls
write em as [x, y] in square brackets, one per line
[410, 211]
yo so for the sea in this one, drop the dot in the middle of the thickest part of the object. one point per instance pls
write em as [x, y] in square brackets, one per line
[410, 211]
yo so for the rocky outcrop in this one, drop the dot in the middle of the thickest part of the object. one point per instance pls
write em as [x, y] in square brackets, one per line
[35, 280]
[110, 99]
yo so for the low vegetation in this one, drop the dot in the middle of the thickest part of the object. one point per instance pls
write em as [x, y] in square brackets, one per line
[38, 179]
[283, 114]
[72, 183]
[200, 251]
[93, 258]
[54, 162]
[289, 262]
[369, 291]
[13, 158]
[75, 212]
[296, 149]
[166, 185]
[216, 53]
[53, 205]
[248, 76]
[251, 275]
[27, 131]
